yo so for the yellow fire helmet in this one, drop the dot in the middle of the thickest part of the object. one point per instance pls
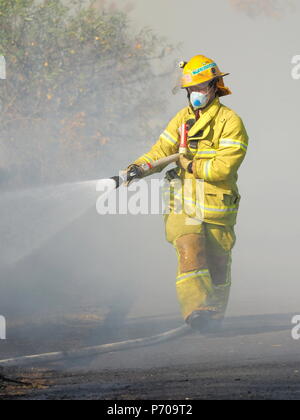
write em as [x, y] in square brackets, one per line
[201, 69]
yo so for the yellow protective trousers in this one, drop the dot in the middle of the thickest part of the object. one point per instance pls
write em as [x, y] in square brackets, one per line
[204, 264]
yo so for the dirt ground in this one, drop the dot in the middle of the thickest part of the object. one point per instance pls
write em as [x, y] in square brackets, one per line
[254, 357]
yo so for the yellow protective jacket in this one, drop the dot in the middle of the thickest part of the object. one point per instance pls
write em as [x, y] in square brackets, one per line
[218, 144]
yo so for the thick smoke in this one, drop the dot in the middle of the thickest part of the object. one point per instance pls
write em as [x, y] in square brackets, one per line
[269, 8]
[80, 86]
[81, 101]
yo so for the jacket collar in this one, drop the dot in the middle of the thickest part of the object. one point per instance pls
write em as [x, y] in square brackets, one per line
[207, 115]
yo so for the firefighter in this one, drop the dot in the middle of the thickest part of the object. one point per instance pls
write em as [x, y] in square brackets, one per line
[205, 184]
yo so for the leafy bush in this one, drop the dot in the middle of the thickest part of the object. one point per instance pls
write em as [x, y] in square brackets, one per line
[80, 88]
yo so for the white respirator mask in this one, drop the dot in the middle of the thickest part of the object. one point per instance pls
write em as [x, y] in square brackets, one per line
[199, 100]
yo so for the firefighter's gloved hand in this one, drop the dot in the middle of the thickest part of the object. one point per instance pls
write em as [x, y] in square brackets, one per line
[133, 172]
[185, 163]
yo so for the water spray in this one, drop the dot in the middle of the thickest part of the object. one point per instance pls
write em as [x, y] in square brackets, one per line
[125, 177]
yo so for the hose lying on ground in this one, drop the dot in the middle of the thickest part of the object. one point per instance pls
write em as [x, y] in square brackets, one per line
[96, 350]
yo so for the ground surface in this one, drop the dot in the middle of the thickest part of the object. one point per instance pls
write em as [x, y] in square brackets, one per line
[254, 357]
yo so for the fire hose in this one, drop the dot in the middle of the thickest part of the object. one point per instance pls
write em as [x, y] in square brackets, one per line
[145, 169]
[128, 176]
[96, 350]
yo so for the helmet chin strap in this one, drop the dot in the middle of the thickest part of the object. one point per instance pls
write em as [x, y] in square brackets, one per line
[189, 97]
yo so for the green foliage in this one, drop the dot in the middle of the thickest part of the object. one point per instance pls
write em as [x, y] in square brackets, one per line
[78, 84]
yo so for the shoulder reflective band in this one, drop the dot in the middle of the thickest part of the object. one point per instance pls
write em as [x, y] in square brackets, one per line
[169, 138]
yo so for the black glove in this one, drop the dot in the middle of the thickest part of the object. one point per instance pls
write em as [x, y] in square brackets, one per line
[133, 172]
